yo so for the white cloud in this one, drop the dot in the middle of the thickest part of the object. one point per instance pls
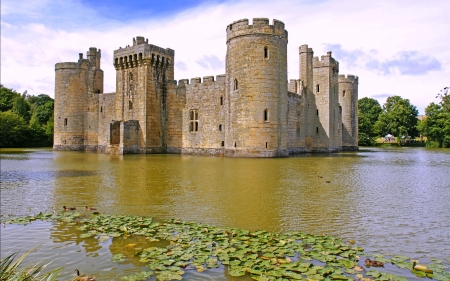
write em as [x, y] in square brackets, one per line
[54, 32]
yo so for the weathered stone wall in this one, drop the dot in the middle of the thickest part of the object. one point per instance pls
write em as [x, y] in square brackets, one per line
[250, 112]
[203, 116]
[296, 119]
[142, 73]
[256, 87]
[106, 115]
[70, 105]
[176, 102]
[348, 99]
[94, 84]
[325, 73]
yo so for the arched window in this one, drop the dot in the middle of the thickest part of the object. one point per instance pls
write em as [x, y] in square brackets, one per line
[317, 88]
[235, 84]
[266, 115]
[266, 53]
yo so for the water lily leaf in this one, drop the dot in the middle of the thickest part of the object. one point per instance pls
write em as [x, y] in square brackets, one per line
[119, 258]
[168, 275]
[236, 272]
[373, 273]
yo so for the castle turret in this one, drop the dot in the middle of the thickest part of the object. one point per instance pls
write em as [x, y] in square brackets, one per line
[328, 132]
[256, 84]
[76, 86]
[348, 99]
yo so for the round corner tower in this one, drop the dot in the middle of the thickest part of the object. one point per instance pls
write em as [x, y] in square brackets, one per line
[348, 100]
[70, 105]
[256, 89]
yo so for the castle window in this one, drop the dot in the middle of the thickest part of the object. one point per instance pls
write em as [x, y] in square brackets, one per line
[193, 118]
[235, 144]
[220, 127]
[101, 108]
[340, 109]
[221, 100]
[317, 130]
[317, 88]
[266, 53]
[317, 111]
[130, 105]
[65, 121]
[135, 58]
[235, 84]
[140, 56]
[266, 115]
[223, 143]
[267, 144]
[343, 93]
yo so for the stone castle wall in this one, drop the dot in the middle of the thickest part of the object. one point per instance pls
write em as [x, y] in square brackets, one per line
[251, 111]
[204, 116]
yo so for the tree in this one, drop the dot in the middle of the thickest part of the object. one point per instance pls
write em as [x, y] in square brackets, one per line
[436, 125]
[43, 112]
[368, 112]
[13, 129]
[21, 107]
[399, 118]
[7, 97]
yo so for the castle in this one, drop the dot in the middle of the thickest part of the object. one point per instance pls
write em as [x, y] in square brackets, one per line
[251, 111]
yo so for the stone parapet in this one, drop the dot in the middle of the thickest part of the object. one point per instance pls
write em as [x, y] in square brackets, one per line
[260, 26]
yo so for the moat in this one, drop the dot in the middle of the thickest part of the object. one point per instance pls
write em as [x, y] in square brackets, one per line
[389, 200]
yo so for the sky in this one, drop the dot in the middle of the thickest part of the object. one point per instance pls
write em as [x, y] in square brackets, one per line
[399, 47]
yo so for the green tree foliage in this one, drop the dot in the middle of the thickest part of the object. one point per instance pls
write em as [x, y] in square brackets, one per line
[368, 112]
[26, 120]
[436, 125]
[399, 118]
[7, 97]
[13, 129]
[21, 107]
[43, 112]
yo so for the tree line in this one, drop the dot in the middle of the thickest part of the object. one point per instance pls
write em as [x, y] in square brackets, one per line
[25, 120]
[399, 118]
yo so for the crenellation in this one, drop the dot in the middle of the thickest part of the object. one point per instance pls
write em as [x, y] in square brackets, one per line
[250, 111]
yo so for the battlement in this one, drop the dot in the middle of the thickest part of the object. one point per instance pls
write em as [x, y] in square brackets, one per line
[305, 49]
[325, 61]
[142, 52]
[206, 80]
[71, 65]
[260, 26]
[349, 78]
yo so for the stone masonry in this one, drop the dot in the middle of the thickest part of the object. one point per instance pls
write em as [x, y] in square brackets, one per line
[251, 111]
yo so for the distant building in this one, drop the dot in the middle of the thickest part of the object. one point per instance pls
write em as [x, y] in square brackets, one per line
[251, 111]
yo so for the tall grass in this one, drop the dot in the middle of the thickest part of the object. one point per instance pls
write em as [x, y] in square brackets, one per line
[12, 269]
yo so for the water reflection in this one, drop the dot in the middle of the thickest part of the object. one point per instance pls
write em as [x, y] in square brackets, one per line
[387, 200]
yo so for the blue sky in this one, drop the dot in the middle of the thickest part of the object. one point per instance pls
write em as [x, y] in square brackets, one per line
[397, 47]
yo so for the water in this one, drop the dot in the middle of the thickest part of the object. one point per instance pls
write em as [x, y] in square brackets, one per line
[389, 200]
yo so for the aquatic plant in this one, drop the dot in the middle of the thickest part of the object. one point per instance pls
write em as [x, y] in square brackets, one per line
[261, 255]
